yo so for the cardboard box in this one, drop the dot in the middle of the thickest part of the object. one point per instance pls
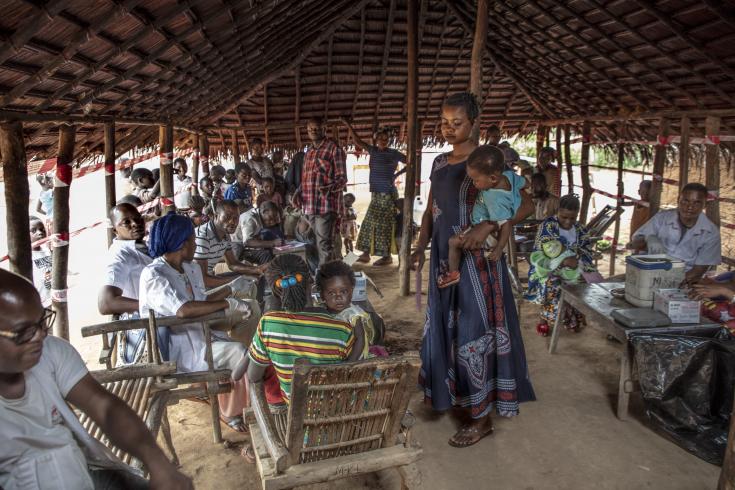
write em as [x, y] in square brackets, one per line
[675, 304]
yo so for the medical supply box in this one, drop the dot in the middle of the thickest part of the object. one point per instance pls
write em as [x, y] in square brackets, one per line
[646, 273]
[360, 291]
[675, 304]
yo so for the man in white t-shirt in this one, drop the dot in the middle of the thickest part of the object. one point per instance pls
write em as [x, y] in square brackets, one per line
[182, 184]
[42, 443]
[126, 259]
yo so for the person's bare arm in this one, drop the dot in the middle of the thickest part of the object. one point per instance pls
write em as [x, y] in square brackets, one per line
[694, 274]
[359, 345]
[252, 242]
[220, 294]
[240, 268]
[110, 301]
[39, 208]
[194, 309]
[526, 209]
[427, 222]
[639, 243]
[497, 252]
[126, 431]
[256, 372]
[211, 281]
[359, 142]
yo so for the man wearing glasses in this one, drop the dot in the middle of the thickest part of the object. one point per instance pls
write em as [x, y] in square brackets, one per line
[42, 444]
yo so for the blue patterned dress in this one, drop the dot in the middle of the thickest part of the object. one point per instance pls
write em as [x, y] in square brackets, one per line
[472, 350]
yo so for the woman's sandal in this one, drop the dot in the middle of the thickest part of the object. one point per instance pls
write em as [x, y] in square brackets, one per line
[383, 261]
[248, 453]
[235, 423]
[448, 279]
[542, 329]
[363, 259]
[471, 430]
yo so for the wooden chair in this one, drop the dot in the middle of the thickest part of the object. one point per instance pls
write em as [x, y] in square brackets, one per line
[343, 420]
[200, 384]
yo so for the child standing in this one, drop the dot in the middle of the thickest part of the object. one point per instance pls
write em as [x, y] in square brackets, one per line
[349, 223]
[498, 200]
[268, 192]
[42, 261]
[46, 197]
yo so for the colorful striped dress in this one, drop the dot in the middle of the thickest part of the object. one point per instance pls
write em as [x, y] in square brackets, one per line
[284, 337]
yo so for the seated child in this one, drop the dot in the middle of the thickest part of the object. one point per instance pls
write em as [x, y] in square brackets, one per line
[269, 193]
[196, 210]
[217, 174]
[230, 176]
[349, 223]
[335, 282]
[498, 200]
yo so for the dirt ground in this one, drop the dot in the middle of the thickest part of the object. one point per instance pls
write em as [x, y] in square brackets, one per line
[568, 438]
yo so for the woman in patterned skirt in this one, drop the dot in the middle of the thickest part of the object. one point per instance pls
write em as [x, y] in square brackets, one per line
[472, 351]
[377, 232]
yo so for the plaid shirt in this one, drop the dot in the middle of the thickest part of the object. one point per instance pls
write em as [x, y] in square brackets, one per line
[323, 166]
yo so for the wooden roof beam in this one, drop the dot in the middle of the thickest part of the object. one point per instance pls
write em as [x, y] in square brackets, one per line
[305, 51]
[727, 16]
[604, 35]
[73, 45]
[329, 76]
[384, 64]
[26, 31]
[509, 72]
[519, 37]
[561, 23]
[359, 62]
[445, 21]
[682, 34]
[656, 46]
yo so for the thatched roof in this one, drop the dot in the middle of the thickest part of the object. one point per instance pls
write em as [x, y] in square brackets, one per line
[272, 64]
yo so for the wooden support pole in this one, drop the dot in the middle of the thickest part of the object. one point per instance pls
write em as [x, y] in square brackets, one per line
[110, 198]
[59, 269]
[166, 152]
[712, 169]
[195, 165]
[684, 152]
[235, 148]
[568, 157]
[619, 203]
[17, 197]
[265, 116]
[412, 160]
[659, 162]
[540, 137]
[204, 155]
[478, 50]
[585, 170]
[559, 156]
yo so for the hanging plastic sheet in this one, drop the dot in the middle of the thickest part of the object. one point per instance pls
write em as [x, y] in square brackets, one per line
[687, 385]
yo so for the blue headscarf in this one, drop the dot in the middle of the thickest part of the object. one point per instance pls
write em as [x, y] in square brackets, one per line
[169, 234]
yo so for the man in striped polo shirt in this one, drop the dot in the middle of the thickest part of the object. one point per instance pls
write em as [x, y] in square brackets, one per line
[213, 246]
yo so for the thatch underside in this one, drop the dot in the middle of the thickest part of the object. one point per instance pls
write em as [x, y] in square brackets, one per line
[267, 66]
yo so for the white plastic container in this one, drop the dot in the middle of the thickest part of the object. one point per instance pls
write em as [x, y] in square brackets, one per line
[360, 291]
[646, 273]
[675, 304]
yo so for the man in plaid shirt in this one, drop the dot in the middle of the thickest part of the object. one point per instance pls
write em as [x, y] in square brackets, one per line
[323, 178]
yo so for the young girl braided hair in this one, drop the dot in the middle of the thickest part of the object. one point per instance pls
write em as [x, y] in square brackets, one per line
[294, 297]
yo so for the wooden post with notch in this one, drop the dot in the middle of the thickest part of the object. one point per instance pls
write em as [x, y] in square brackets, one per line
[619, 203]
[712, 167]
[659, 162]
[684, 152]
[585, 170]
[110, 197]
[166, 152]
[204, 155]
[195, 165]
[17, 197]
[568, 157]
[478, 50]
[412, 160]
[60, 241]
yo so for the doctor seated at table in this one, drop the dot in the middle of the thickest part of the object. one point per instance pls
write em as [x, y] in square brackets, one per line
[684, 233]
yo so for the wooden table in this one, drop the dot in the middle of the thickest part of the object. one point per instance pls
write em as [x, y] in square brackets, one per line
[596, 303]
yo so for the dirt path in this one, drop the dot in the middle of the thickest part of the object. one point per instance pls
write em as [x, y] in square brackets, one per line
[569, 438]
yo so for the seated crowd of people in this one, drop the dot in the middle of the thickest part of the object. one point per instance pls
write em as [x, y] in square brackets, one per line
[262, 244]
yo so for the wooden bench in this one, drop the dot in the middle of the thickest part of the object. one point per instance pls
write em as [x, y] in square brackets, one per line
[344, 420]
[200, 384]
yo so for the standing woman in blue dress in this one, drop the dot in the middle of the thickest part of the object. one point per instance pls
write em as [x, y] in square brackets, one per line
[472, 351]
[377, 235]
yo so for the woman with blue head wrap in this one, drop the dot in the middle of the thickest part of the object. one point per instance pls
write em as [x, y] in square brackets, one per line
[173, 285]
